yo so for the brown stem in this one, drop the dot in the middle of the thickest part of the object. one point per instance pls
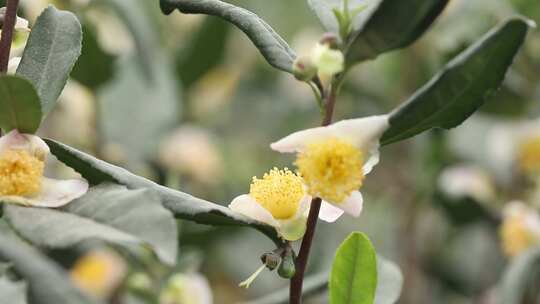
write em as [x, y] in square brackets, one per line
[295, 291]
[10, 19]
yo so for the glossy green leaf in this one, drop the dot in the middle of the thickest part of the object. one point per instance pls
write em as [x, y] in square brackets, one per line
[95, 66]
[107, 212]
[520, 278]
[353, 279]
[274, 49]
[52, 49]
[390, 25]
[12, 292]
[19, 105]
[47, 282]
[462, 86]
[183, 205]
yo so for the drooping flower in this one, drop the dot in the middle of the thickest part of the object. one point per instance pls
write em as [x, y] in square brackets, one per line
[280, 200]
[22, 165]
[189, 288]
[334, 160]
[520, 229]
[99, 273]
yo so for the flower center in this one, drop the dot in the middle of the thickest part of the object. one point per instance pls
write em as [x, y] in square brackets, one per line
[332, 169]
[20, 173]
[529, 155]
[516, 236]
[279, 191]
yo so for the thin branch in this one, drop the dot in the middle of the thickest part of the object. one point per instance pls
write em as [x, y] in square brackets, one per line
[7, 33]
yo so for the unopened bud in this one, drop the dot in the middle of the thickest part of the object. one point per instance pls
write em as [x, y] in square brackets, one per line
[304, 69]
[330, 39]
[287, 268]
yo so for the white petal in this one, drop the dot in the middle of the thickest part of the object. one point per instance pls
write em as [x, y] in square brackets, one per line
[199, 288]
[352, 205]
[373, 159]
[364, 133]
[246, 205]
[294, 228]
[31, 143]
[13, 64]
[54, 193]
[329, 213]
[21, 24]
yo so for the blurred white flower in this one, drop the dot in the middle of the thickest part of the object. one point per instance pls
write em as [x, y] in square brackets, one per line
[334, 160]
[13, 64]
[189, 288]
[520, 229]
[465, 181]
[99, 273]
[191, 150]
[278, 199]
[22, 164]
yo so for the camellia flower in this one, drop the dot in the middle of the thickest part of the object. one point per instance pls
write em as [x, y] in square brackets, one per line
[466, 181]
[190, 288]
[520, 229]
[334, 160]
[99, 273]
[22, 164]
[280, 200]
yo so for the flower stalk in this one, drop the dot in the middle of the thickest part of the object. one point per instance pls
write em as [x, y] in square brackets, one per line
[7, 33]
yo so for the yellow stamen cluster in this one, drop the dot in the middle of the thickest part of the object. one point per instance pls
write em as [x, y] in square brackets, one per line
[529, 155]
[279, 191]
[20, 173]
[332, 169]
[516, 237]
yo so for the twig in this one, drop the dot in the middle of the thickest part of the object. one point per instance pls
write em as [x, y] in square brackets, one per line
[7, 33]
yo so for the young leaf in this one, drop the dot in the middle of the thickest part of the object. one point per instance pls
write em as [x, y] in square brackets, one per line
[353, 279]
[462, 86]
[107, 212]
[47, 282]
[52, 49]
[326, 12]
[19, 105]
[274, 49]
[183, 205]
[391, 24]
[518, 276]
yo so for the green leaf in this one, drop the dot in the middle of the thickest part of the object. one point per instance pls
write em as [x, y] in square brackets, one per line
[519, 278]
[52, 49]
[326, 12]
[12, 292]
[95, 66]
[353, 279]
[462, 86]
[391, 24]
[183, 205]
[274, 49]
[107, 212]
[19, 105]
[47, 282]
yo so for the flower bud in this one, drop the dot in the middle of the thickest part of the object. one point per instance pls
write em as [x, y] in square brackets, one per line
[304, 69]
[287, 268]
[327, 60]
[330, 39]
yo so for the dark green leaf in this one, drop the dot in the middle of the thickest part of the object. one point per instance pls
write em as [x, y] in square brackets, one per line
[52, 49]
[183, 205]
[106, 212]
[353, 279]
[94, 67]
[391, 24]
[19, 105]
[47, 282]
[462, 86]
[276, 51]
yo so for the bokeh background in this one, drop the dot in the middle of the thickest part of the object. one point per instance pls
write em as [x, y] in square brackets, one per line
[188, 102]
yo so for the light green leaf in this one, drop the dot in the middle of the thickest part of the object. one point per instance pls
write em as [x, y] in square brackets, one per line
[462, 86]
[274, 49]
[47, 282]
[52, 49]
[107, 212]
[519, 277]
[391, 24]
[12, 292]
[19, 105]
[353, 279]
[183, 205]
